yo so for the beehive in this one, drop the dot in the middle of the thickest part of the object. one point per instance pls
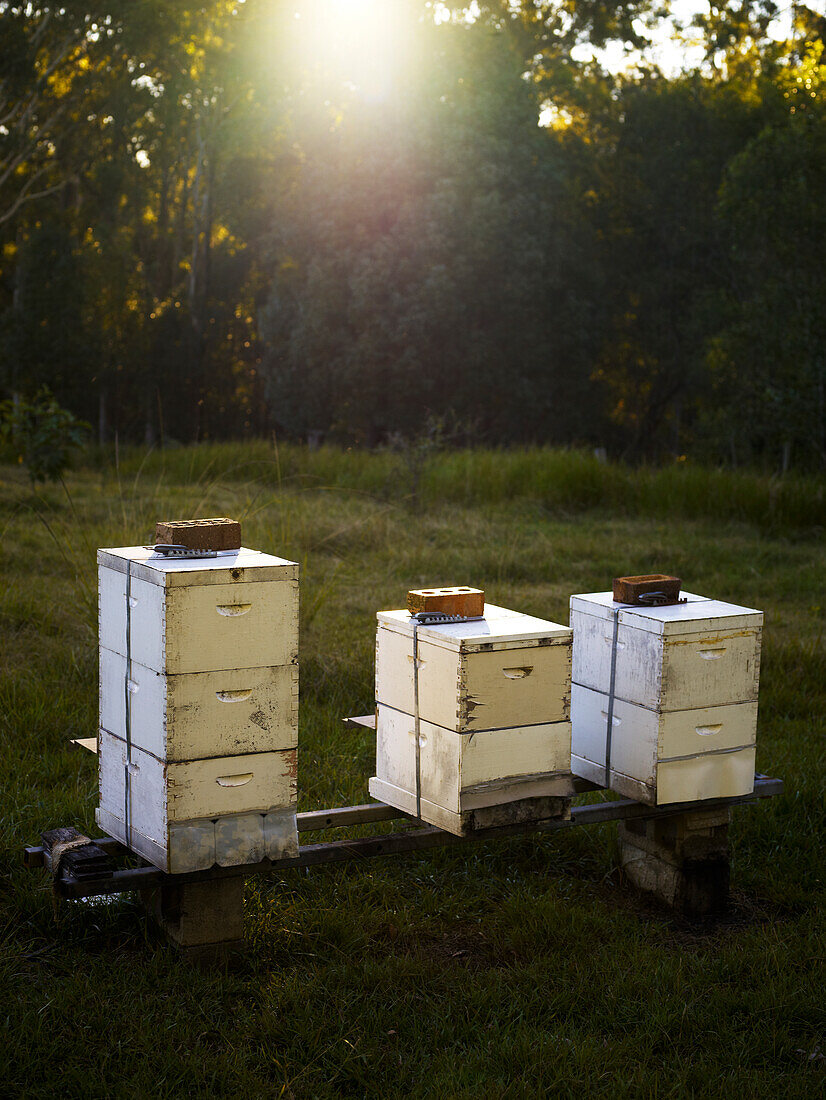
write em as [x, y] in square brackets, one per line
[684, 710]
[198, 705]
[490, 698]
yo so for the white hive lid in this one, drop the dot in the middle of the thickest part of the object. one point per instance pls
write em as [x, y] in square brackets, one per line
[225, 567]
[499, 626]
[697, 615]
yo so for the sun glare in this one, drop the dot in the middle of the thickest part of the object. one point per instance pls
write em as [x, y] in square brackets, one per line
[360, 42]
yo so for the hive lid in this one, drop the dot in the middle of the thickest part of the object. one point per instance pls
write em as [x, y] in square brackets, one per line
[225, 567]
[500, 626]
[697, 614]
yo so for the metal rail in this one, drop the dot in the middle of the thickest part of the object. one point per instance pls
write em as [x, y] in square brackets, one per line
[413, 839]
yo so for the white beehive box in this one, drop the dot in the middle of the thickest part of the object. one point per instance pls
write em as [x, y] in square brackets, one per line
[195, 715]
[236, 610]
[493, 714]
[190, 815]
[685, 697]
[198, 705]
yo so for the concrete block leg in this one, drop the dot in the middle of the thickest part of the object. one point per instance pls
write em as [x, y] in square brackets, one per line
[204, 919]
[681, 860]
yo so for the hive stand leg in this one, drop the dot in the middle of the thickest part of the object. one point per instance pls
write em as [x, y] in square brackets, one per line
[682, 860]
[205, 920]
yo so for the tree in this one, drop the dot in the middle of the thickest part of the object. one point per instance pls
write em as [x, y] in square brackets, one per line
[422, 257]
[769, 359]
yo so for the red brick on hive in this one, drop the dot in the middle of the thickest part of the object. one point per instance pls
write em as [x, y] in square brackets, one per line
[459, 600]
[629, 589]
[200, 534]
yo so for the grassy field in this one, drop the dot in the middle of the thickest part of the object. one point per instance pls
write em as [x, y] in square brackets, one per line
[517, 969]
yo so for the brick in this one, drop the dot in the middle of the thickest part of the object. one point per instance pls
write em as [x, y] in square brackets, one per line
[200, 534]
[629, 589]
[461, 600]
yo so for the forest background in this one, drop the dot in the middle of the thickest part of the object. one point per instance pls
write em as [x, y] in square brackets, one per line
[211, 227]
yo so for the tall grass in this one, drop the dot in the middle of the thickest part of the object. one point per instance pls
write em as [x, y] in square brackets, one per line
[516, 969]
[561, 482]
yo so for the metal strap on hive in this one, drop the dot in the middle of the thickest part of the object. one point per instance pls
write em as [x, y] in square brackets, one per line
[416, 721]
[649, 590]
[426, 618]
[127, 694]
[611, 685]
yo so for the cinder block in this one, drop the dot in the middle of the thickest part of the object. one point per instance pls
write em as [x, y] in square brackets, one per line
[682, 860]
[200, 914]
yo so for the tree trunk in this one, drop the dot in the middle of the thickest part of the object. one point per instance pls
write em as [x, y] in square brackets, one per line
[103, 425]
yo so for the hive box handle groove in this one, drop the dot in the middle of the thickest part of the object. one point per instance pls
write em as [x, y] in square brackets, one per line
[233, 610]
[712, 654]
[234, 780]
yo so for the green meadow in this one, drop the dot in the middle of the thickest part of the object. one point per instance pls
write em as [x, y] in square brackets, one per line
[520, 968]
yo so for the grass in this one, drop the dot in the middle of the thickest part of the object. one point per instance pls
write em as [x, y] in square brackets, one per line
[521, 968]
[564, 483]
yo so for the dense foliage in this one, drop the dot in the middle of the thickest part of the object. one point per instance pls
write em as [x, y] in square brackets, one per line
[208, 230]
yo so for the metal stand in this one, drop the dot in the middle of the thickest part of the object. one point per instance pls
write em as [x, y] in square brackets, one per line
[679, 853]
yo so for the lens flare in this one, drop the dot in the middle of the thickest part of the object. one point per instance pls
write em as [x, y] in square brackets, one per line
[356, 42]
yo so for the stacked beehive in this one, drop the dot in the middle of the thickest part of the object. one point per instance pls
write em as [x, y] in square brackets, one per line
[682, 699]
[198, 706]
[472, 717]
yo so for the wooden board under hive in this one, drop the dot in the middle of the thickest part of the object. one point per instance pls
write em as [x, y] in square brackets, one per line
[493, 717]
[684, 715]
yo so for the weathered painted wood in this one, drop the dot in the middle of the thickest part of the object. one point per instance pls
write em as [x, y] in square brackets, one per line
[179, 791]
[503, 671]
[176, 809]
[709, 659]
[544, 799]
[456, 766]
[201, 628]
[212, 687]
[493, 705]
[696, 615]
[727, 774]
[643, 737]
[193, 716]
[228, 841]
[685, 688]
